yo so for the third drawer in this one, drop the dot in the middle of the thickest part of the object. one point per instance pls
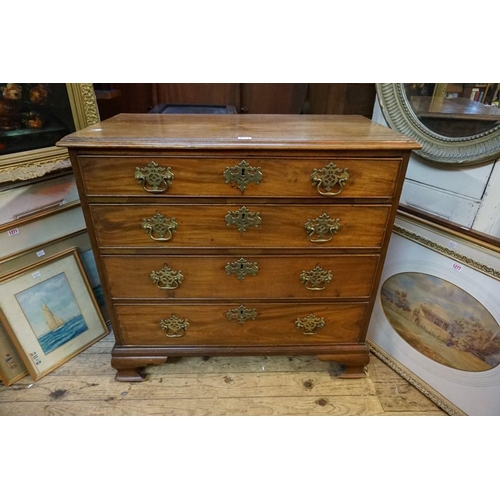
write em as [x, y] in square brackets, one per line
[244, 276]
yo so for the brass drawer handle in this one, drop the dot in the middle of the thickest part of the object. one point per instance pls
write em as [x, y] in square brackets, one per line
[154, 179]
[310, 324]
[166, 278]
[241, 175]
[241, 314]
[174, 326]
[316, 279]
[243, 219]
[323, 228]
[242, 268]
[328, 178]
[163, 227]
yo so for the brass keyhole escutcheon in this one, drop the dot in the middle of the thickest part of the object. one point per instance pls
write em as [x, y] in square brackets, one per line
[241, 314]
[243, 219]
[242, 175]
[242, 268]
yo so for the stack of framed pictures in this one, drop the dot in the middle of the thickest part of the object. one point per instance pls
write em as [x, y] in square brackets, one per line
[12, 367]
[51, 303]
[437, 315]
[50, 312]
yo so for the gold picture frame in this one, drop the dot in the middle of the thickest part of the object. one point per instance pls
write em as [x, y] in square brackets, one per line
[436, 320]
[12, 368]
[38, 162]
[52, 312]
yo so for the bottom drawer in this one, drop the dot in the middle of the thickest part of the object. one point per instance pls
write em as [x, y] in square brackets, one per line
[234, 324]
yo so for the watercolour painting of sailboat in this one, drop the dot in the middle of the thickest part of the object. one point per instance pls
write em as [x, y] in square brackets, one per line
[52, 311]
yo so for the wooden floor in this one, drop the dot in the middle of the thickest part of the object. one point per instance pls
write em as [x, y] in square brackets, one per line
[279, 385]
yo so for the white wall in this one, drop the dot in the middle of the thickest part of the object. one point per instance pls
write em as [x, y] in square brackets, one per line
[468, 196]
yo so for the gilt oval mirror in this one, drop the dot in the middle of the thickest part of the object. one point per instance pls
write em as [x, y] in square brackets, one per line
[456, 124]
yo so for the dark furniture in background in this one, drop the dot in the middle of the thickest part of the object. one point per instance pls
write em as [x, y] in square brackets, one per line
[251, 98]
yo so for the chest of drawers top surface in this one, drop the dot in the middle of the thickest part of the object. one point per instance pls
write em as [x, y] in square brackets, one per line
[263, 132]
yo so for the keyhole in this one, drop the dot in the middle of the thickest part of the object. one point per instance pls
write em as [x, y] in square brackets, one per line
[241, 266]
[242, 216]
[243, 171]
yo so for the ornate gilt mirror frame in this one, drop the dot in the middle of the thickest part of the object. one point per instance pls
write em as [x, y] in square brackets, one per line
[38, 162]
[460, 151]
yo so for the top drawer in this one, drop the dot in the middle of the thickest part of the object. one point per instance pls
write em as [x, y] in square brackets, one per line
[323, 178]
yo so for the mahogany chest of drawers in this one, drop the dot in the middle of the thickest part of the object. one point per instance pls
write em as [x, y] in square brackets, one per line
[239, 234]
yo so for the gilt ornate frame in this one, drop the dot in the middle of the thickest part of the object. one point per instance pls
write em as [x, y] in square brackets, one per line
[38, 162]
[471, 265]
[458, 151]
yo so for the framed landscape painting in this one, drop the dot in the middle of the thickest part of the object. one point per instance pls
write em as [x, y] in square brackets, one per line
[52, 312]
[436, 319]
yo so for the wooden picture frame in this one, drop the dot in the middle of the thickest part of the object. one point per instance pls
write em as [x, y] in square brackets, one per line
[437, 315]
[34, 200]
[78, 239]
[12, 367]
[33, 163]
[52, 312]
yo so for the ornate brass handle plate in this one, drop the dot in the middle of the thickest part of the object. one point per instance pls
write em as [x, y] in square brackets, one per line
[328, 178]
[174, 326]
[310, 324]
[161, 226]
[166, 278]
[154, 179]
[243, 219]
[241, 314]
[316, 279]
[321, 229]
[242, 268]
[242, 174]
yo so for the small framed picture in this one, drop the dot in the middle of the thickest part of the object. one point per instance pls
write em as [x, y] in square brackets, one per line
[31, 200]
[436, 320]
[12, 367]
[52, 312]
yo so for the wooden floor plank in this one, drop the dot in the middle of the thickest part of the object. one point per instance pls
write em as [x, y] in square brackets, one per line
[92, 363]
[196, 386]
[398, 395]
[307, 405]
[246, 385]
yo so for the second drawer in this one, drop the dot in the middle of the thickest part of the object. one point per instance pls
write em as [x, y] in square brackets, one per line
[248, 276]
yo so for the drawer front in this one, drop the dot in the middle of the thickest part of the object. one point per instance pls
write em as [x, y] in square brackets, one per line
[266, 177]
[273, 324]
[237, 226]
[256, 276]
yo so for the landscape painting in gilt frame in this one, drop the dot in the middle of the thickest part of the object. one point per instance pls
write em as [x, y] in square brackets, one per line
[52, 312]
[436, 320]
[33, 117]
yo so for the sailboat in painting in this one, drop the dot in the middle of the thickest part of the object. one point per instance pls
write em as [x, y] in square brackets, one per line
[53, 321]
[60, 331]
